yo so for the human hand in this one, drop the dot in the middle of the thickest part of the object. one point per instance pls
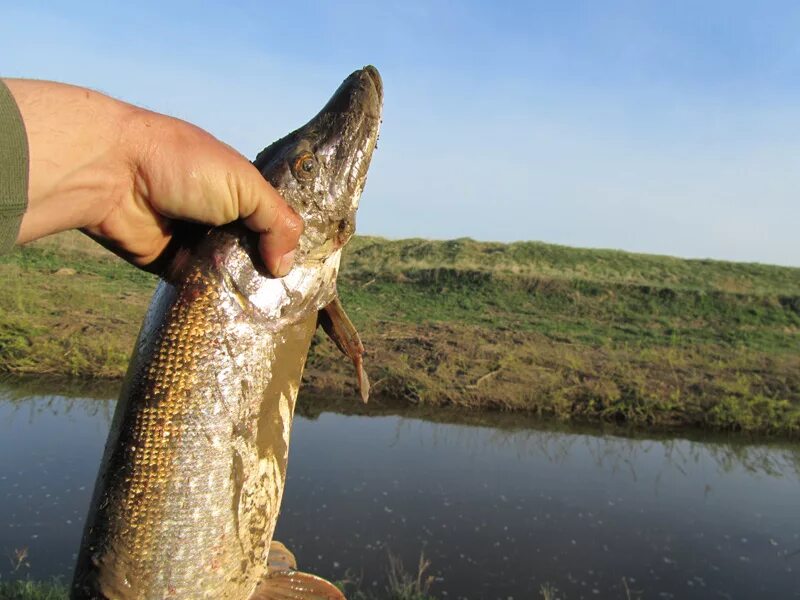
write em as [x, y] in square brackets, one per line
[124, 175]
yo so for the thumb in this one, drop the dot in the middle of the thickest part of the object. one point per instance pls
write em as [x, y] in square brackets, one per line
[264, 211]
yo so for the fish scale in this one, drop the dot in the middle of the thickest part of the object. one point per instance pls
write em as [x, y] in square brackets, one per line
[164, 423]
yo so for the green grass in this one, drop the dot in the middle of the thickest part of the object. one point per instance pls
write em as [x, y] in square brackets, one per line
[401, 584]
[551, 261]
[33, 590]
[569, 333]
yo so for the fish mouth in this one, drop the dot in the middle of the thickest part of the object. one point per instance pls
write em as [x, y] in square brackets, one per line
[360, 94]
[375, 76]
[357, 105]
[338, 144]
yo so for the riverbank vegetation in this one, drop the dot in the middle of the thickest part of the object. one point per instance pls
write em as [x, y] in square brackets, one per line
[33, 590]
[568, 333]
[400, 585]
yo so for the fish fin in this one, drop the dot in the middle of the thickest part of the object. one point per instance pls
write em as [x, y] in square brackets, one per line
[280, 558]
[341, 330]
[294, 585]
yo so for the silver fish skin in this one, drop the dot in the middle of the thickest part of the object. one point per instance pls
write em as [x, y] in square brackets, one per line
[193, 472]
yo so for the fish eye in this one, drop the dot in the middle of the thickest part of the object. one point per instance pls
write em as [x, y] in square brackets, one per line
[304, 165]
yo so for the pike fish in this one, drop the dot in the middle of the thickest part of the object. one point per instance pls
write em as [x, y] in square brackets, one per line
[191, 480]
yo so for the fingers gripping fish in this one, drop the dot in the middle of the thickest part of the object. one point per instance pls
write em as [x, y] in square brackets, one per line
[193, 472]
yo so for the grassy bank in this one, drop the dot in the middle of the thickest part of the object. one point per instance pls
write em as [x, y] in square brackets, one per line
[564, 332]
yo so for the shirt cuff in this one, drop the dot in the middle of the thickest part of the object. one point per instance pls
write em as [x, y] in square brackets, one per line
[13, 169]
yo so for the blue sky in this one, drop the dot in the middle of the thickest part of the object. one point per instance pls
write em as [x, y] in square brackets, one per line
[662, 127]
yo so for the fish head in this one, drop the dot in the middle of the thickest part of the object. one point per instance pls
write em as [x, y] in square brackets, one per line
[321, 168]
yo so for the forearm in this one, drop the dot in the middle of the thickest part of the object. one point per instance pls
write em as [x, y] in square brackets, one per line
[77, 159]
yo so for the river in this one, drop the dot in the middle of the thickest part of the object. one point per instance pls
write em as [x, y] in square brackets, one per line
[500, 509]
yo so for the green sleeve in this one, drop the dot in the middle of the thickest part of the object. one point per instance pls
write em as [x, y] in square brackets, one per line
[13, 169]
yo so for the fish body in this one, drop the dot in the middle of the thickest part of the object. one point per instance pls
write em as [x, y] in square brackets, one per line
[191, 480]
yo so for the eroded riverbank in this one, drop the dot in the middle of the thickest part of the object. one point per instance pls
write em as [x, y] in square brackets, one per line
[577, 335]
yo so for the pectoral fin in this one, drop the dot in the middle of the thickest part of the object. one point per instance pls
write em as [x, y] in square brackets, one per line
[341, 330]
[294, 585]
[280, 558]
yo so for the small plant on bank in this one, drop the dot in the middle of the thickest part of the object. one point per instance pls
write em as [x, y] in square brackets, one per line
[406, 586]
[402, 585]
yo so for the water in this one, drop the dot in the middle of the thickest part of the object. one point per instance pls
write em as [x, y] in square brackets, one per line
[498, 512]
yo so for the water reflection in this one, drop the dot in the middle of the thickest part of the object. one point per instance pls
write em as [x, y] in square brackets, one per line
[50, 448]
[500, 510]
[507, 511]
[617, 453]
[28, 409]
